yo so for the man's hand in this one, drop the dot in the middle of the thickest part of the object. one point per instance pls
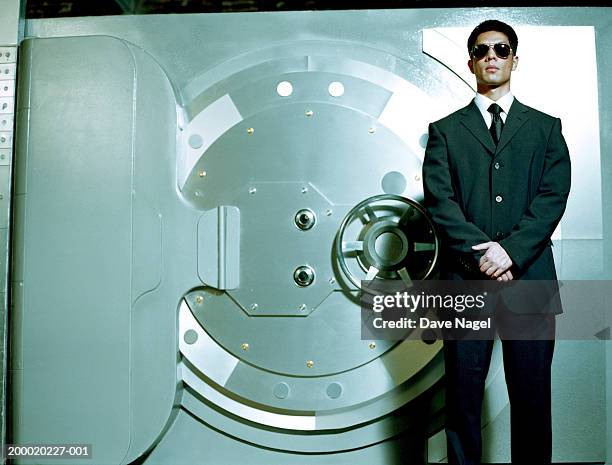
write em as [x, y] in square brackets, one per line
[506, 276]
[495, 262]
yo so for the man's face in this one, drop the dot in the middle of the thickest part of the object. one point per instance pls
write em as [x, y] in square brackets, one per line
[491, 70]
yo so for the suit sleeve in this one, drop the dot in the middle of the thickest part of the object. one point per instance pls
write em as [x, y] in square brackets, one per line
[537, 224]
[441, 200]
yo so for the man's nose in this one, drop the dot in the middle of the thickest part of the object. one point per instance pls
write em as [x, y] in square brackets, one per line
[490, 54]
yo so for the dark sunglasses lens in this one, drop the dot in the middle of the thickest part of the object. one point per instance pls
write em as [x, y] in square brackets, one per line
[502, 50]
[479, 51]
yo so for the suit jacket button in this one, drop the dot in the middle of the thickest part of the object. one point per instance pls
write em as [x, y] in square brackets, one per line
[499, 199]
[496, 166]
[499, 235]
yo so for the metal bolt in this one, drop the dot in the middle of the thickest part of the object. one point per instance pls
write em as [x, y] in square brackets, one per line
[304, 190]
[372, 345]
[328, 212]
[305, 219]
[309, 363]
[250, 130]
[309, 113]
[254, 307]
[252, 190]
[417, 177]
[244, 346]
[304, 276]
[199, 299]
[303, 308]
[332, 281]
[372, 130]
[202, 173]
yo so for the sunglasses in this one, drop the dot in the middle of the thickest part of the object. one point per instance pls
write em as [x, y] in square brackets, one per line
[501, 50]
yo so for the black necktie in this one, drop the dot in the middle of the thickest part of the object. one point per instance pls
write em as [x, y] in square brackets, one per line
[497, 124]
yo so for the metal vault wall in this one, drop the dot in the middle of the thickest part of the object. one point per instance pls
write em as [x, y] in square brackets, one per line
[118, 212]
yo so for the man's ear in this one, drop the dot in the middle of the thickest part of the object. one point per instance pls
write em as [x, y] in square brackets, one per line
[471, 66]
[515, 60]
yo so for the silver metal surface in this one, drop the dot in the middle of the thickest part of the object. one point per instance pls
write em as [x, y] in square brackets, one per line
[219, 247]
[11, 33]
[209, 367]
[12, 15]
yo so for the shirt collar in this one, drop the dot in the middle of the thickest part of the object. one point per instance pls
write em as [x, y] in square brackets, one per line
[483, 103]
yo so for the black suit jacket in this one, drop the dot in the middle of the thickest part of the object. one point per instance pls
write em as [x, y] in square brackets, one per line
[514, 194]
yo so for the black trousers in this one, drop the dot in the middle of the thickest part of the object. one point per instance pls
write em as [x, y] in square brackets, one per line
[527, 367]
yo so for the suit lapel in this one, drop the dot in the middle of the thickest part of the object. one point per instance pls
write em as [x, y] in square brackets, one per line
[472, 120]
[518, 115]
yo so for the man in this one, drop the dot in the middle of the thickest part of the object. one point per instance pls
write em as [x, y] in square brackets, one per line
[496, 178]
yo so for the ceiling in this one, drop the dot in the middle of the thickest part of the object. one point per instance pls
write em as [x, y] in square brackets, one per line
[58, 8]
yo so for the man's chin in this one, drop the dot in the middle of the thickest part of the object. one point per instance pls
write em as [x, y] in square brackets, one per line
[491, 85]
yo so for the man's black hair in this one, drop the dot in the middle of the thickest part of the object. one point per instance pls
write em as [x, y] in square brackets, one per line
[493, 25]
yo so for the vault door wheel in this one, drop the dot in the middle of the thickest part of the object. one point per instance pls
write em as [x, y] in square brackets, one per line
[397, 240]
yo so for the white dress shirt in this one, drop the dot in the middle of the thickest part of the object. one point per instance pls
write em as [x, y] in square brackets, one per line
[483, 103]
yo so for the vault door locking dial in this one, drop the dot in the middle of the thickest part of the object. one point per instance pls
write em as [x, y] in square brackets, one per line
[396, 240]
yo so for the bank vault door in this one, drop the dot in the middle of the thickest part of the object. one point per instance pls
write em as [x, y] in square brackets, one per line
[303, 194]
[218, 230]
